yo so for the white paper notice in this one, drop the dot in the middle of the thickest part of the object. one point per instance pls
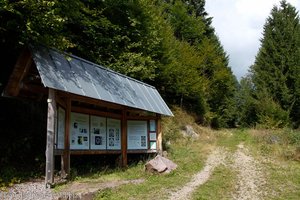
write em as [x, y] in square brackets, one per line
[98, 132]
[113, 134]
[79, 138]
[152, 136]
[60, 139]
[137, 134]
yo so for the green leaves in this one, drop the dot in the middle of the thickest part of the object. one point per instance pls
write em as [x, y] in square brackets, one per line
[278, 59]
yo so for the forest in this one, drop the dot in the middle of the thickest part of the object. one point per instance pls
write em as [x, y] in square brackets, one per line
[171, 45]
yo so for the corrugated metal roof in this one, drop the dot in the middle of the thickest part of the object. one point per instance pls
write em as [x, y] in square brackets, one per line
[78, 76]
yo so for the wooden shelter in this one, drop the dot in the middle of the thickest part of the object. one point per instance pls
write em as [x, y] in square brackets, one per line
[91, 109]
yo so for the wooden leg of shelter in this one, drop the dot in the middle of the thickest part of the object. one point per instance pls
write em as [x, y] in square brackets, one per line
[159, 137]
[49, 179]
[124, 139]
[65, 162]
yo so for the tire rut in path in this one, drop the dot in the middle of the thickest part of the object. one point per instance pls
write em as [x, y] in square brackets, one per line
[250, 177]
[216, 158]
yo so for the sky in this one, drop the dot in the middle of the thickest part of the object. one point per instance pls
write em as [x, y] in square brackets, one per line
[239, 26]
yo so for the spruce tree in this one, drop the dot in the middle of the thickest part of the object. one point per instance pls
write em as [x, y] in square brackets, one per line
[277, 64]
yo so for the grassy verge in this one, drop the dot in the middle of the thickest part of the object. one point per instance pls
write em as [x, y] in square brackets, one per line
[277, 152]
[219, 186]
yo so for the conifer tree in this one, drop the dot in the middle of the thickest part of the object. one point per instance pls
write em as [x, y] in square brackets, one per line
[277, 65]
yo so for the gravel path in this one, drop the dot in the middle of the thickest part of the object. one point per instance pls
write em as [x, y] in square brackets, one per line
[36, 190]
[250, 176]
[28, 191]
[216, 158]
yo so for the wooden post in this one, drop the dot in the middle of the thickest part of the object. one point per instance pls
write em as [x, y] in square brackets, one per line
[124, 138]
[52, 116]
[65, 161]
[159, 136]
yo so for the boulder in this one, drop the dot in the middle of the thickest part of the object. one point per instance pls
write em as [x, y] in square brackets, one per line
[160, 164]
[189, 132]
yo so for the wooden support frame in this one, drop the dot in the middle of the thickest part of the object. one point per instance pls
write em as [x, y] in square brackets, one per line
[159, 136]
[124, 139]
[51, 121]
[65, 158]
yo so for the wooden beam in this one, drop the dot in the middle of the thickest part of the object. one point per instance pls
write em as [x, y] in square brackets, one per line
[65, 161]
[61, 101]
[159, 135]
[52, 116]
[124, 139]
[141, 117]
[94, 152]
[34, 88]
[91, 101]
[95, 112]
[20, 70]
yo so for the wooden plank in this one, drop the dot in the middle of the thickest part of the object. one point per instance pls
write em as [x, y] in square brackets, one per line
[34, 88]
[141, 117]
[159, 136]
[141, 151]
[52, 116]
[20, 70]
[65, 161]
[124, 139]
[95, 112]
[94, 152]
[61, 101]
[91, 101]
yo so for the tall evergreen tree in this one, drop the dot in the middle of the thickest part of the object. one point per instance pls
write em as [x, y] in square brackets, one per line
[277, 65]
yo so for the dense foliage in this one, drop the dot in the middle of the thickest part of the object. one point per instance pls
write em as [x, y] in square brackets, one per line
[271, 93]
[169, 44]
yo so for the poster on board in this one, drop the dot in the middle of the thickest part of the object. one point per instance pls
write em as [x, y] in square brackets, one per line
[152, 126]
[98, 132]
[153, 136]
[79, 138]
[113, 134]
[60, 137]
[137, 134]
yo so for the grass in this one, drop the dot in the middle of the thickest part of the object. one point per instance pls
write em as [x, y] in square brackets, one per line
[283, 180]
[232, 137]
[190, 159]
[277, 152]
[219, 186]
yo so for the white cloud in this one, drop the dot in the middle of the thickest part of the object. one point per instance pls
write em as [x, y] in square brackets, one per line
[239, 25]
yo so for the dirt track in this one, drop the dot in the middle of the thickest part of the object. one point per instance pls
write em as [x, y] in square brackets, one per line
[249, 174]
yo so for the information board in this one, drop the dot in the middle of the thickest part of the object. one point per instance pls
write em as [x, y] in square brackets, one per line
[60, 137]
[79, 138]
[98, 132]
[137, 134]
[113, 134]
